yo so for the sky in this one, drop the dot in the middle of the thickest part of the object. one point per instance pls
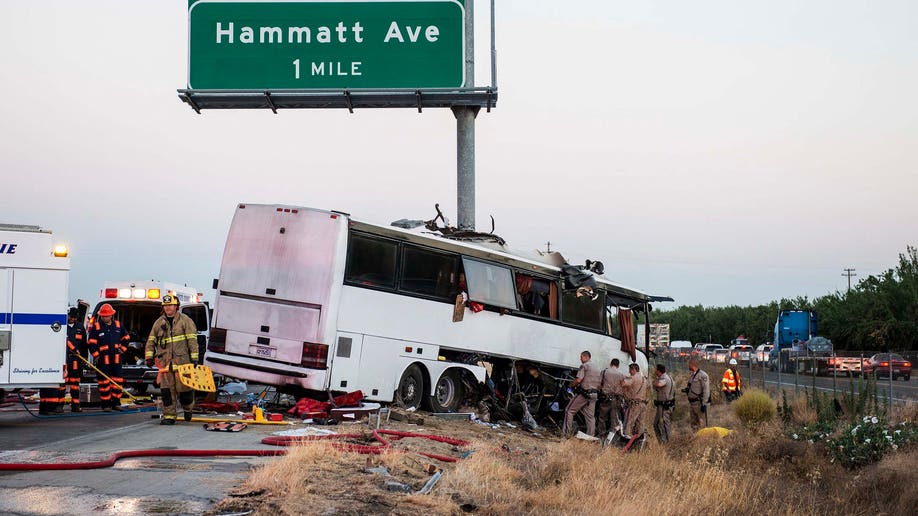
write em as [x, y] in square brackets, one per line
[718, 152]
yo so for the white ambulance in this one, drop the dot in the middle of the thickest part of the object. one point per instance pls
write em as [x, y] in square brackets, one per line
[34, 277]
[137, 305]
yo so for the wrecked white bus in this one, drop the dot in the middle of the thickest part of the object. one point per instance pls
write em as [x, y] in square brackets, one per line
[313, 300]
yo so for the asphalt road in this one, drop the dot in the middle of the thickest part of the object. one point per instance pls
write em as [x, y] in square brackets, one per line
[132, 486]
[903, 391]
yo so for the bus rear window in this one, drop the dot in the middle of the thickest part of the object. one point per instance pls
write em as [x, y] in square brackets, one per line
[428, 273]
[371, 262]
[489, 284]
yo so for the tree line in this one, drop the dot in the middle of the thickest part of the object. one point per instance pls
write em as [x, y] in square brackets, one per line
[879, 313]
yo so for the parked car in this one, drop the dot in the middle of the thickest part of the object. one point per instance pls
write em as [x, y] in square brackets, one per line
[879, 365]
[741, 352]
[720, 356]
[762, 354]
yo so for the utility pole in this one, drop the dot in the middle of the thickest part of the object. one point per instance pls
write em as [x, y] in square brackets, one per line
[849, 273]
[465, 134]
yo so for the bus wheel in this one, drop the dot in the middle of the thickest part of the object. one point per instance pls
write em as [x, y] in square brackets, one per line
[447, 394]
[410, 390]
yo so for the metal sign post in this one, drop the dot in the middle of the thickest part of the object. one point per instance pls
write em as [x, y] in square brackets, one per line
[344, 54]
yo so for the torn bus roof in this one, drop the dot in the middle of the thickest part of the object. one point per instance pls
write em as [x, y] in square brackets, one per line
[535, 261]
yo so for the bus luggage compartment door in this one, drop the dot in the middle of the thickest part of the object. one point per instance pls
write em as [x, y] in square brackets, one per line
[345, 366]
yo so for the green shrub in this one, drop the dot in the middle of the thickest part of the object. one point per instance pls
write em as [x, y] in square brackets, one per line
[868, 440]
[754, 407]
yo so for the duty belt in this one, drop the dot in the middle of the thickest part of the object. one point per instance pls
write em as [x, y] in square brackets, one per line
[635, 402]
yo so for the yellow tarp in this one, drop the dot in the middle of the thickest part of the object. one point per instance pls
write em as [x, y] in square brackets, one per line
[713, 431]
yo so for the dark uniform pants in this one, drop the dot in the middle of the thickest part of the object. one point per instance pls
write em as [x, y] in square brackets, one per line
[581, 403]
[110, 393]
[662, 423]
[74, 376]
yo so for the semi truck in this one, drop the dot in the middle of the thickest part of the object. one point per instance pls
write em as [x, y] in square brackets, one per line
[798, 349]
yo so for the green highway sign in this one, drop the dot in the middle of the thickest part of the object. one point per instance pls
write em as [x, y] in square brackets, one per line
[326, 44]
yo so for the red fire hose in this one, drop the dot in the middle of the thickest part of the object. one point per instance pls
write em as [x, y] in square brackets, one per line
[273, 440]
[369, 449]
[110, 461]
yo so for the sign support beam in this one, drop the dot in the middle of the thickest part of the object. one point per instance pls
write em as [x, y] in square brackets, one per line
[465, 134]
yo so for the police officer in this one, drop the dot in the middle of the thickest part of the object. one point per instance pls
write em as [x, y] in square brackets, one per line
[635, 389]
[586, 385]
[666, 400]
[107, 340]
[173, 342]
[699, 393]
[610, 394]
[730, 385]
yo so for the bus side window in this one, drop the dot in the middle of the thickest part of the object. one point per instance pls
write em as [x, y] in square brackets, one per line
[583, 311]
[428, 273]
[490, 284]
[371, 262]
[535, 295]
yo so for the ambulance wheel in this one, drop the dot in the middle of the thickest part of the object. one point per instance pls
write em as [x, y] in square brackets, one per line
[448, 393]
[410, 392]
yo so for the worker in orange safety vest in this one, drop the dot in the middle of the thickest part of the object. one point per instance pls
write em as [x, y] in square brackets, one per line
[731, 384]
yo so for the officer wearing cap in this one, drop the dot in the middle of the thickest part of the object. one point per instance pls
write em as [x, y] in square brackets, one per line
[173, 342]
[107, 340]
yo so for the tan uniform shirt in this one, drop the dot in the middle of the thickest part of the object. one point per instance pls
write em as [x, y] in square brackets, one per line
[665, 388]
[635, 387]
[591, 376]
[699, 387]
[612, 381]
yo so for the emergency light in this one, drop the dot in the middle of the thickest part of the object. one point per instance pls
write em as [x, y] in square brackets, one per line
[131, 293]
[61, 251]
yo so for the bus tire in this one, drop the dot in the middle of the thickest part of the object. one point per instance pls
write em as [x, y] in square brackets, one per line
[410, 391]
[448, 393]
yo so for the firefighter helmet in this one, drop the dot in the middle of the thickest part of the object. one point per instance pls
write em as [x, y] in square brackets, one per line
[106, 310]
[170, 299]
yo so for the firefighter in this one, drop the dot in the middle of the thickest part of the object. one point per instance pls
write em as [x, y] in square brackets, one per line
[107, 340]
[173, 341]
[51, 400]
[730, 385]
[76, 345]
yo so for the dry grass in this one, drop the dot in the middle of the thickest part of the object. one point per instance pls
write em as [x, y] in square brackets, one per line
[512, 472]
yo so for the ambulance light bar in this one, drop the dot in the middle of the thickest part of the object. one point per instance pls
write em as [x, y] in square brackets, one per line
[131, 293]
